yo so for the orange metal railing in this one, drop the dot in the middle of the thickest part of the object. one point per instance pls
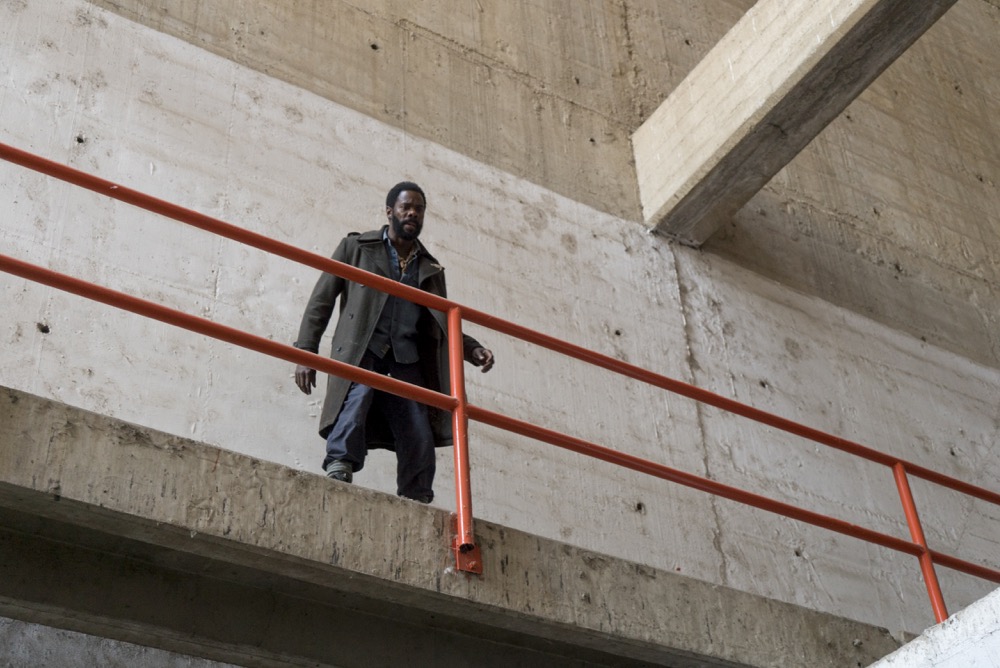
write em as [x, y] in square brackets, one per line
[463, 544]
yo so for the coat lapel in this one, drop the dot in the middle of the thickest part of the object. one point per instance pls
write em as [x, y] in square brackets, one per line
[428, 266]
[373, 249]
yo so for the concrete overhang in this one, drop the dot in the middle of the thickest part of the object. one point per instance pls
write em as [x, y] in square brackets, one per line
[127, 533]
[770, 85]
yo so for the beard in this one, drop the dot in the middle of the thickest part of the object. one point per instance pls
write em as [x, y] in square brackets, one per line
[399, 229]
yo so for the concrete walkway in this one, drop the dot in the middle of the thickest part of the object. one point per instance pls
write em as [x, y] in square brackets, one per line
[120, 532]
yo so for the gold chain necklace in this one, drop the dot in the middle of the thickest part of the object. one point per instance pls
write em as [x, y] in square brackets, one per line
[404, 263]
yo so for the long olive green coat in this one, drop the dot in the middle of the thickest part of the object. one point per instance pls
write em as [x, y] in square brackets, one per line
[360, 307]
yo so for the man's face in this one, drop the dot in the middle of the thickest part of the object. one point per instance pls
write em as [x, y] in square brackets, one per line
[406, 217]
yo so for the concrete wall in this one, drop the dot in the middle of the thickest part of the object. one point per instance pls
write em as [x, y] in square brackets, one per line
[85, 86]
[548, 91]
[890, 212]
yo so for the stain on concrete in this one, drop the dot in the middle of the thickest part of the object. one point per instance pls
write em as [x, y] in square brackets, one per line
[15, 6]
[793, 348]
[87, 18]
[569, 243]
[150, 95]
[535, 217]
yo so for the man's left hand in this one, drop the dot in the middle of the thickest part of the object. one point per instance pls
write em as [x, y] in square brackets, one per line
[483, 358]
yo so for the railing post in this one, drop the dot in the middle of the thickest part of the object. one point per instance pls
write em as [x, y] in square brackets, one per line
[917, 534]
[467, 555]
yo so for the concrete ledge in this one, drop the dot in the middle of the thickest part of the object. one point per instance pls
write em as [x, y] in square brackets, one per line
[123, 532]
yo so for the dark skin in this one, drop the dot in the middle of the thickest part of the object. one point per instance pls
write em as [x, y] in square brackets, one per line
[406, 220]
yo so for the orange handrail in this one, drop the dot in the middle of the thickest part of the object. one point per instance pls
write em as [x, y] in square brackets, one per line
[466, 551]
[917, 533]
[222, 332]
[724, 403]
[464, 545]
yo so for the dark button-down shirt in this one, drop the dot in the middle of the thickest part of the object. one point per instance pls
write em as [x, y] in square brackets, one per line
[396, 329]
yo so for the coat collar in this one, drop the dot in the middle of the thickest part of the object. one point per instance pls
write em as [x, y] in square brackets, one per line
[371, 243]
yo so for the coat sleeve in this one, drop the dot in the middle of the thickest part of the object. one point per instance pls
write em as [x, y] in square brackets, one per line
[319, 310]
[469, 344]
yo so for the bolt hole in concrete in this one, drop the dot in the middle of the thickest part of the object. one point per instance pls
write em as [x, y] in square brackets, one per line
[640, 508]
[374, 46]
[42, 327]
[80, 139]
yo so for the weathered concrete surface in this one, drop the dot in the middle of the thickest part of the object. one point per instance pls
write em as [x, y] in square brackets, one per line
[888, 212]
[121, 531]
[891, 212]
[89, 88]
[509, 84]
[29, 645]
[968, 639]
[777, 78]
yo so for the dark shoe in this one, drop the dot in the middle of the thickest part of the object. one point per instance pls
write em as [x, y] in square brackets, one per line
[341, 471]
[424, 498]
[342, 476]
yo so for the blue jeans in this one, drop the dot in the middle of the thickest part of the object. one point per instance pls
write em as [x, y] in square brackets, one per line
[408, 420]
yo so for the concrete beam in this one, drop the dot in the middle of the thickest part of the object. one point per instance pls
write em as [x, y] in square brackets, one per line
[768, 87]
[118, 531]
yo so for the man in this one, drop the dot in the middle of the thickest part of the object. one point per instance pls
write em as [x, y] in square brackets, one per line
[391, 336]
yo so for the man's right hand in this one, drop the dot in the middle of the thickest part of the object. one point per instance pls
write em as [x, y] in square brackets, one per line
[305, 378]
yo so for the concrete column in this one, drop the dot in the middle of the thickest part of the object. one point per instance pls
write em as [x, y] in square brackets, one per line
[768, 87]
